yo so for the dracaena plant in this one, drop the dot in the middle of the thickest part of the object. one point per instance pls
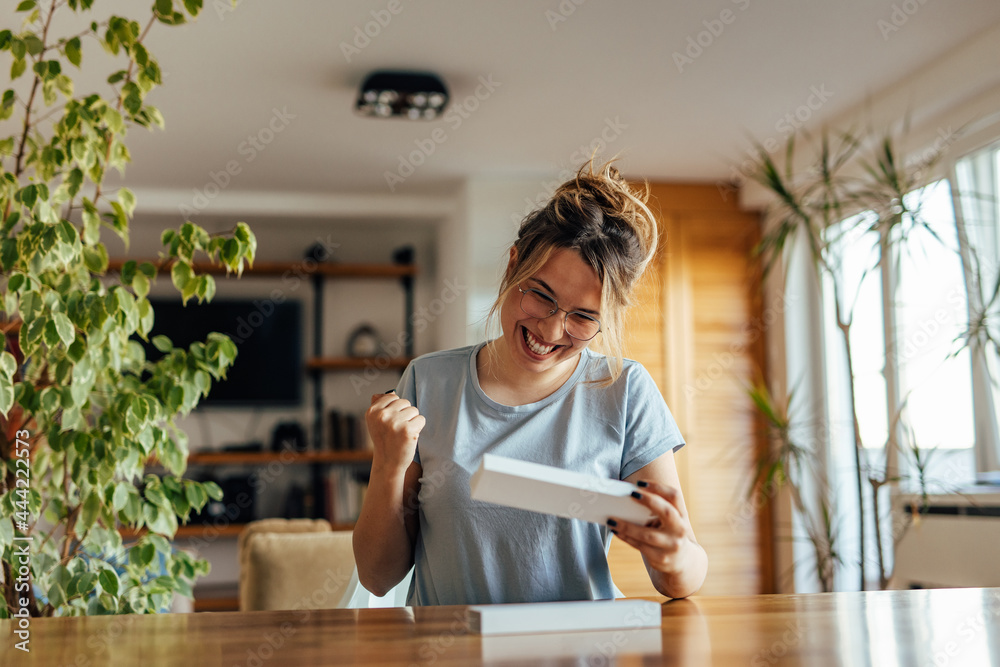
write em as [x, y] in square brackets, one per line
[854, 191]
[82, 411]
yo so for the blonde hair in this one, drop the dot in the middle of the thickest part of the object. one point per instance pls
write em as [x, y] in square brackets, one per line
[603, 218]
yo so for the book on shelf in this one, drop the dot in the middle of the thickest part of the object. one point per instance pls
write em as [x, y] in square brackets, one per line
[348, 432]
[344, 489]
[336, 439]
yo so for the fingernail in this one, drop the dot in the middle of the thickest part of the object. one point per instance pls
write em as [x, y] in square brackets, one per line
[637, 495]
[612, 522]
[642, 483]
[390, 391]
[614, 532]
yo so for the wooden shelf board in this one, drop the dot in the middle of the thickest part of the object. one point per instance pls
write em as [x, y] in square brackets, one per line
[216, 604]
[207, 529]
[343, 526]
[210, 530]
[190, 530]
[217, 597]
[299, 269]
[236, 458]
[356, 363]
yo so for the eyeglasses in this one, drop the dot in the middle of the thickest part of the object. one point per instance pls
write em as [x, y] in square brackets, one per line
[536, 303]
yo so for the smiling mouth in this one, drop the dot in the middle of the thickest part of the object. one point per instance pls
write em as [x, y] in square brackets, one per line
[535, 345]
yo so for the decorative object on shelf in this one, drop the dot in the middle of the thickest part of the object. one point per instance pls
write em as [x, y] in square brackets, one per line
[244, 447]
[319, 252]
[363, 342]
[237, 504]
[404, 255]
[288, 436]
[412, 95]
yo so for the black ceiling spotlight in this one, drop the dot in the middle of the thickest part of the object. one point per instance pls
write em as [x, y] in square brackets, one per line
[413, 95]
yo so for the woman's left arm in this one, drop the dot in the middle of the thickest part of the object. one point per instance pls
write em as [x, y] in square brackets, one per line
[676, 563]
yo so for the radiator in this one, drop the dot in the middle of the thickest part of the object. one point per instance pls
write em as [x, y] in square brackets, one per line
[955, 543]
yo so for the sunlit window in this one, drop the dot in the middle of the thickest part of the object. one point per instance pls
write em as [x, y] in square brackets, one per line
[931, 315]
[856, 283]
[926, 287]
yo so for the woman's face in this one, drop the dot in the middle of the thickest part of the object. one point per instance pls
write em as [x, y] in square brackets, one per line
[542, 346]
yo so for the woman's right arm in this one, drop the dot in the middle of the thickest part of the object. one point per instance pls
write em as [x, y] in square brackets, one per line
[386, 530]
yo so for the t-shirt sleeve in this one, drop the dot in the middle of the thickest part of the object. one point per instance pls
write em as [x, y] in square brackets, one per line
[650, 429]
[407, 388]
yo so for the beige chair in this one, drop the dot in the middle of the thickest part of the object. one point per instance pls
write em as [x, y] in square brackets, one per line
[295, 564]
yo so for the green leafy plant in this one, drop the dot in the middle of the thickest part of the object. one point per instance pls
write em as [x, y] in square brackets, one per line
[791, 466]
[854, 188]
[82, 411]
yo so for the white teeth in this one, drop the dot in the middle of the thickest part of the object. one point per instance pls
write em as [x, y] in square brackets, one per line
[535, 346]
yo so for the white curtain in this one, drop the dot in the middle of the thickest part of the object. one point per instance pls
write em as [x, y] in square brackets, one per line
[979, 223]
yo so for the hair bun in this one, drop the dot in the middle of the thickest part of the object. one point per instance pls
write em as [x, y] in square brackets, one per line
[618, 201]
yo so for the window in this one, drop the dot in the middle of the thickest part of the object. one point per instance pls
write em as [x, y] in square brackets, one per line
[936, 393]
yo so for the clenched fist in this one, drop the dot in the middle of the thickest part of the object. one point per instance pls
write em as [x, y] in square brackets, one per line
[394, 425]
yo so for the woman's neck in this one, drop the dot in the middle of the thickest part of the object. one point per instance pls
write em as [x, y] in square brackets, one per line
[508, 384]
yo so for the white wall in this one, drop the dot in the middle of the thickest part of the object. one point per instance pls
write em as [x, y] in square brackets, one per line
[494, 208]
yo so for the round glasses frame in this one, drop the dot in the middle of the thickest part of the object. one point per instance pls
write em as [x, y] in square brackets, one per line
[542, 296]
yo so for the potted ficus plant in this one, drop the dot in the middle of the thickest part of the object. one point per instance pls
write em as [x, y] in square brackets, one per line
[82, 411]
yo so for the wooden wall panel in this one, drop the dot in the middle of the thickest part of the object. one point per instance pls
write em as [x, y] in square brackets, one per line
[697, 335]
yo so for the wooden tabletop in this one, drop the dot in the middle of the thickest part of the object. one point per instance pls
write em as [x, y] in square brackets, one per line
[955, 627]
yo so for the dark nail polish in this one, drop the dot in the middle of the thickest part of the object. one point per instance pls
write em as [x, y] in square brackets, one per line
[391, 391]
[613, 531]
[612, 522]
[637, 495]
[642, 483]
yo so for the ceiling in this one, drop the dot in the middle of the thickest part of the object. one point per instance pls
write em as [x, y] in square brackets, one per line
[562, 73]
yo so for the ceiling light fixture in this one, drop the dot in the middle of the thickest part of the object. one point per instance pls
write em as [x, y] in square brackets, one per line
[413, 95]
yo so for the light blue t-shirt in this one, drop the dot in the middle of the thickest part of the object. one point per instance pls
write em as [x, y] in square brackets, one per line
[471, 552]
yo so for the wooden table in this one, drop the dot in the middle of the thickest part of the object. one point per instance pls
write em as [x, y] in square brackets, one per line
[956, 627]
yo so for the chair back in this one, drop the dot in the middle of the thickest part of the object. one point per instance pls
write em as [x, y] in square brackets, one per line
[295, 564]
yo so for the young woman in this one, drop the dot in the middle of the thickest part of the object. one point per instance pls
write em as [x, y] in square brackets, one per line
[536, 393]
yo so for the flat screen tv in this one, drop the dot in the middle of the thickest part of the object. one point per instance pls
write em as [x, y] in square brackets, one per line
[268, 338]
